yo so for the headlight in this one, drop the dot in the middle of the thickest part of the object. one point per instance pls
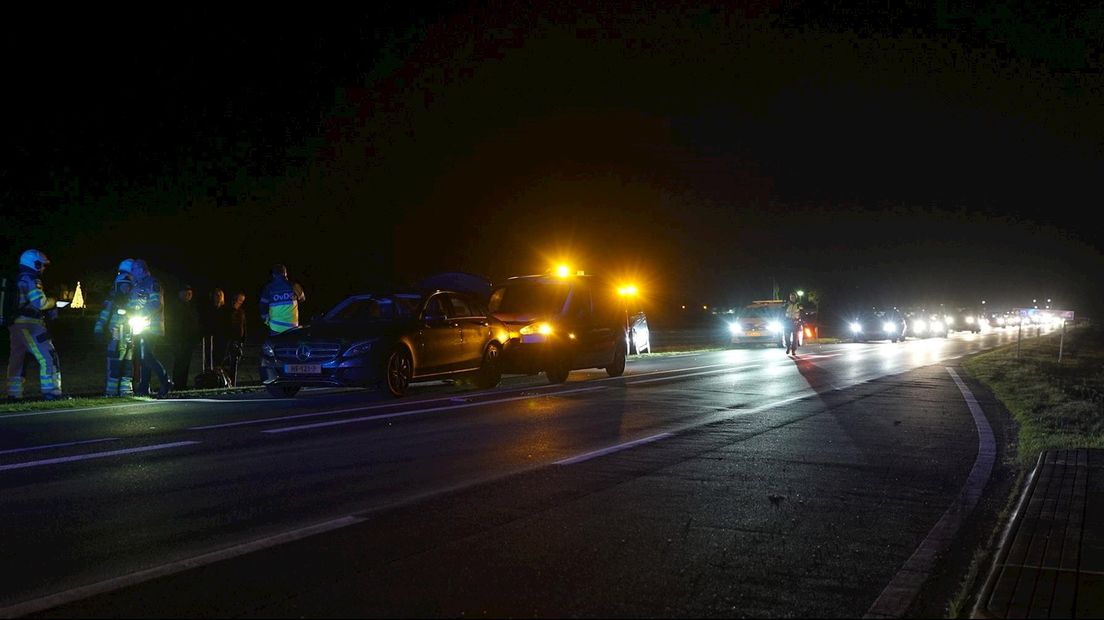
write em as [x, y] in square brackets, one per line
[889, 326]
[359, 348]
[856, 328]
[919, 326]
[969, 319]
[950, 320]
[734, 328]
[537, 328]
[266, 350]
[138, 324]
[775, 326]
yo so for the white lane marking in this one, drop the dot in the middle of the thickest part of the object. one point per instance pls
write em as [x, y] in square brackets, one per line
[95, 455]
[696, 374]
[896, 598]
[149, 574]
[58, 445]
[384, 416]
[379, 406]
[621, 446]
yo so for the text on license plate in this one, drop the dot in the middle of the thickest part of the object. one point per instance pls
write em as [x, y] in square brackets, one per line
[754, 334]
[303, 369]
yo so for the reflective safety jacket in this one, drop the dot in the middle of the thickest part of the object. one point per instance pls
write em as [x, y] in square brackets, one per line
[109, 318]
[33, 302]
[279, 304]
[793, 311]
[146, 300]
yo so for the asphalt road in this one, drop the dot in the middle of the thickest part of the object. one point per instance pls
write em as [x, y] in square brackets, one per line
[726, 483]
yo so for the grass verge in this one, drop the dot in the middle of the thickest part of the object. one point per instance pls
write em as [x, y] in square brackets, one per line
[1056, 404]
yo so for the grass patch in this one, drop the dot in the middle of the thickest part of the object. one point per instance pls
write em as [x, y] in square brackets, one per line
[72, 403]
[1057, 405]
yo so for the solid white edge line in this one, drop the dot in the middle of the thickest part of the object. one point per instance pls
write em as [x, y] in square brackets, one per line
[58, 445]
[898, 595]
[94, 455]
[602, 451]
[400, 414]
[108, 585]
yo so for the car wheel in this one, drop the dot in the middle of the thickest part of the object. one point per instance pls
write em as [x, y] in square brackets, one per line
[282, 391]
[617, 368]
[558, 370]
[399, 371]
[490, 371]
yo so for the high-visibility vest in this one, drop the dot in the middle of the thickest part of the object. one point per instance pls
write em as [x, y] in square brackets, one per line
[279, 305]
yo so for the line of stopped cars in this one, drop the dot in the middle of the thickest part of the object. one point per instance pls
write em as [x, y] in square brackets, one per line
[761, 322]
[459, 326]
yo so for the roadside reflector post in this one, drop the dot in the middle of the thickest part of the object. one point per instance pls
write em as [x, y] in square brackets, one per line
[1061, 340]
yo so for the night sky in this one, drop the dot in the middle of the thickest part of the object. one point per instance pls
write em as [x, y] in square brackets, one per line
[709, 151]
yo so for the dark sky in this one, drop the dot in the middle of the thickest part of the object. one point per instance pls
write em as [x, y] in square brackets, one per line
[709, 150]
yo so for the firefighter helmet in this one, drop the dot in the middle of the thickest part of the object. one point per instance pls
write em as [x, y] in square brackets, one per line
[33, 259]
[126, 266]
[279, 270]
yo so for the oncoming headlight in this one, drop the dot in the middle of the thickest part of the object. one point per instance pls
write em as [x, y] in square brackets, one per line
[889, 326]
[734, 328]
[856, 328]
[919, 326]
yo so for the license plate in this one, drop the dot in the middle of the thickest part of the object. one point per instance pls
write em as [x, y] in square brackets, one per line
[303, 369]
[753, 334]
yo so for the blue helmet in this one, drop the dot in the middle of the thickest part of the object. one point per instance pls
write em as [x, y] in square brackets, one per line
[33, 259]
[126, 266]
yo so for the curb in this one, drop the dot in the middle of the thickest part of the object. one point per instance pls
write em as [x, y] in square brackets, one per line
[979, 609]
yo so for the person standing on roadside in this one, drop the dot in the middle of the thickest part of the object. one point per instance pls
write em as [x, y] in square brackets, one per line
[146, 302]
[182, 318]
[792, 325]
[279, 302]
[214, 323]
[110, 326]
[237, 335]
[28, 333]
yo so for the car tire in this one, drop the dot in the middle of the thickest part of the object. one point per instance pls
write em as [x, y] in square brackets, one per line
[282, 391]
[617, 368]
[490, 371]
[398, 371]
[558, 370]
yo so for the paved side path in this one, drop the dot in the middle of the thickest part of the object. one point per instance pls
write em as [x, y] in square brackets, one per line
[1050, 562]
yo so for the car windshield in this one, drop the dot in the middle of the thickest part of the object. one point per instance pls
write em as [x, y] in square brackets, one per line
[540, 297]
[761, 311]
[375, 308]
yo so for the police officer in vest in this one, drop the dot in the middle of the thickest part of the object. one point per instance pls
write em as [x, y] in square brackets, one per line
[28, 330]
[110, 325]
[279, 301]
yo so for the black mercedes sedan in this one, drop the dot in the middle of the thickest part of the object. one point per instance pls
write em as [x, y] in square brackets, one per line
[388, 340]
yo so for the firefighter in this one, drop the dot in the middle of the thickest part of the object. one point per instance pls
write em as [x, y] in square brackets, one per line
[112, 326]
[279, 302]
[28, 330]
[146, 302]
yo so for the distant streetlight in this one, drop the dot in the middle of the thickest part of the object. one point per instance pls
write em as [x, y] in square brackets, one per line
[800, 293]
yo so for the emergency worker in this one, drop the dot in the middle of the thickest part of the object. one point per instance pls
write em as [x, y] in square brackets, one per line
[146, 300]
[112, 325]
[792, 326]
[279, 301]
[28, 331]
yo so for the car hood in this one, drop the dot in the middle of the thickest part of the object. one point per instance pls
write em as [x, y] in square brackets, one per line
[521, 318]
[338, 332]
